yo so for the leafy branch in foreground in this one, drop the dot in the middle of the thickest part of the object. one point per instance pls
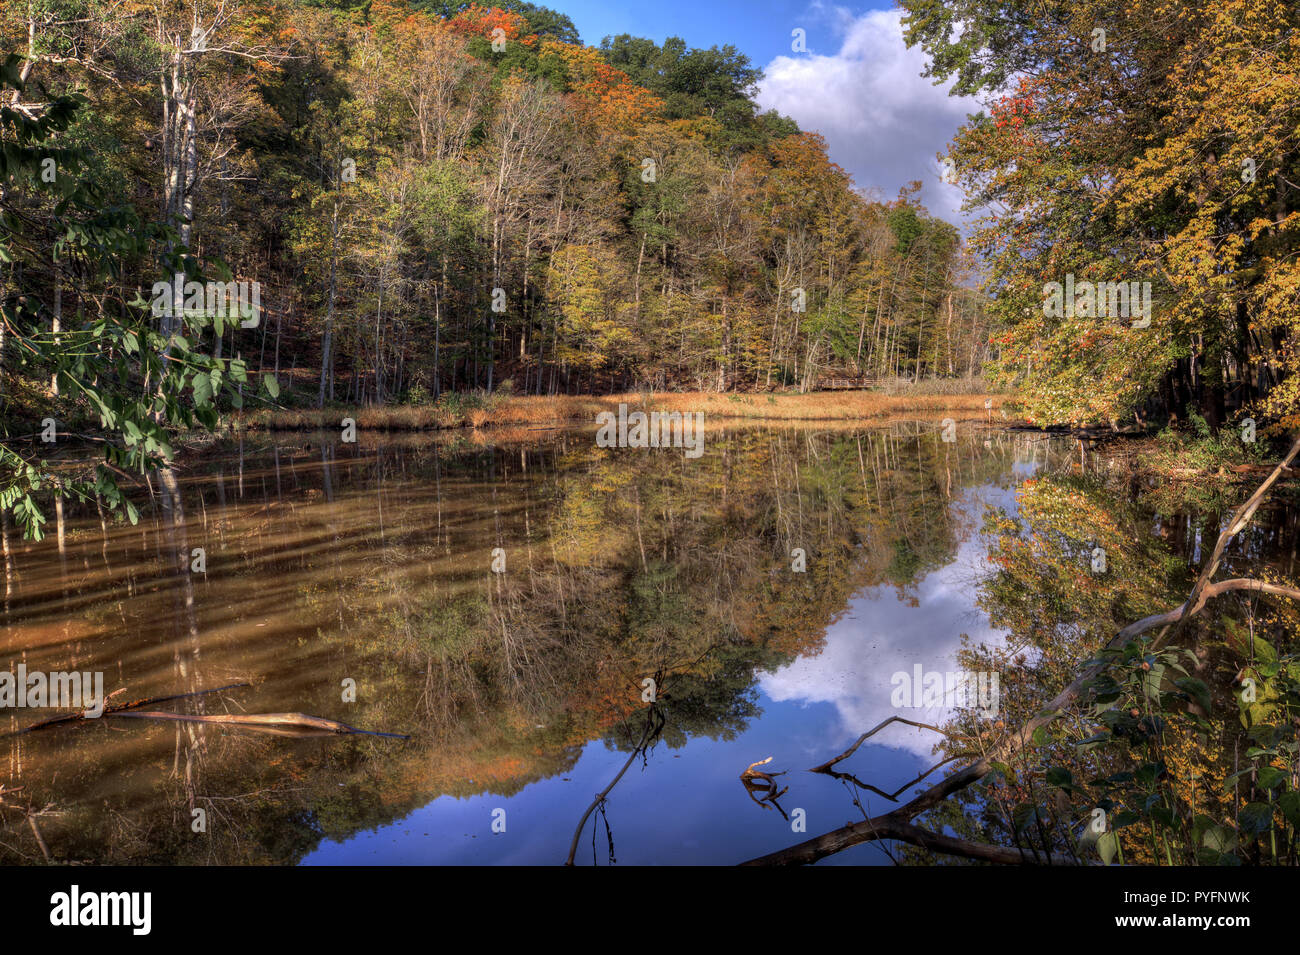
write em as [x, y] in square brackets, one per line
[141, 384]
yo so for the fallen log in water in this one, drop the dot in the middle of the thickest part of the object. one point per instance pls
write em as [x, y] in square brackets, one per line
[283, 724]
[286, 723]
[110, 710]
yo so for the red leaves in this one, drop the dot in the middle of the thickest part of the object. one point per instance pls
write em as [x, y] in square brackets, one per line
[482, 21]
[1013, 110]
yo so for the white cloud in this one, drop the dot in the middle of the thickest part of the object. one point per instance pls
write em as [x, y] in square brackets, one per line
[881, 635]
[883, 121]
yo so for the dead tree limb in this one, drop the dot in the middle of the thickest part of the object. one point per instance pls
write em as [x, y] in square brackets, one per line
[1240, 518]
[653, 724]
[111, 710]
[826, 766]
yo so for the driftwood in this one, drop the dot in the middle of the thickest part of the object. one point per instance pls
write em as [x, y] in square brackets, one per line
[762, 787]
[112, 710]
[285, 724]
[898, 824]
[752, 773]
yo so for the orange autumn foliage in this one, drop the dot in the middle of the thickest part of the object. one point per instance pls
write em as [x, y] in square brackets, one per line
[482, 21]
[602, 94]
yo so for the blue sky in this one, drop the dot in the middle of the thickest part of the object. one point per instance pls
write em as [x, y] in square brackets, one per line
[857, 83]
[760, 28]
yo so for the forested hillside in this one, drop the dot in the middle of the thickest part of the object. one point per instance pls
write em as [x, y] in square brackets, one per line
[439, 197]
[431, 198]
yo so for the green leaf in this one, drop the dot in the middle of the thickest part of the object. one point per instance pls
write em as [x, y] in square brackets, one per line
[1125, 817]
[1270, 777]
[202, 388]
[1219, 838]
[1254, 818]
[1289, 803]
[1197, 690]
[1106, 846]
[1264, 651]
[1059, 776]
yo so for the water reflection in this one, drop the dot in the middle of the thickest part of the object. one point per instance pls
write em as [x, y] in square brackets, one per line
[880, 635]
[371, 565]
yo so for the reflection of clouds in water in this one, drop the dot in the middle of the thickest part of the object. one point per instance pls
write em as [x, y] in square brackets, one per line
[880, 635]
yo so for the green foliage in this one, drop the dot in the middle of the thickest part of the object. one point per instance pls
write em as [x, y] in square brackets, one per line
[718, 82]
[140, 383]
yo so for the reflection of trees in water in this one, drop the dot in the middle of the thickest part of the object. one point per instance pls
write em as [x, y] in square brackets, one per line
[1167, 760]
[619, 565]
[191, 739]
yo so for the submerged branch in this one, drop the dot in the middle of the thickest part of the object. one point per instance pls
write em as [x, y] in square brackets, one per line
[285, 723]
[134, 704]
[652, 728]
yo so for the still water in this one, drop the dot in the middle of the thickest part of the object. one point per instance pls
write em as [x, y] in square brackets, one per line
[503, 600]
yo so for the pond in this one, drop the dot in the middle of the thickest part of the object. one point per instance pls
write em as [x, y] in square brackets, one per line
[511, 601]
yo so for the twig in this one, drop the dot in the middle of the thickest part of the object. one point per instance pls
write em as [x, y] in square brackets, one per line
[45, 850]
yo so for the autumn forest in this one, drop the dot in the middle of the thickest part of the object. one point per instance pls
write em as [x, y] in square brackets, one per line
[309, 310]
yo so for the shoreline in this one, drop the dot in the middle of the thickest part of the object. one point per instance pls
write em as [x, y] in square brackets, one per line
[513, 411]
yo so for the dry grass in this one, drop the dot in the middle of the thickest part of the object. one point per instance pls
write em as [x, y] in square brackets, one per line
[519, 411]
[936, 386]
